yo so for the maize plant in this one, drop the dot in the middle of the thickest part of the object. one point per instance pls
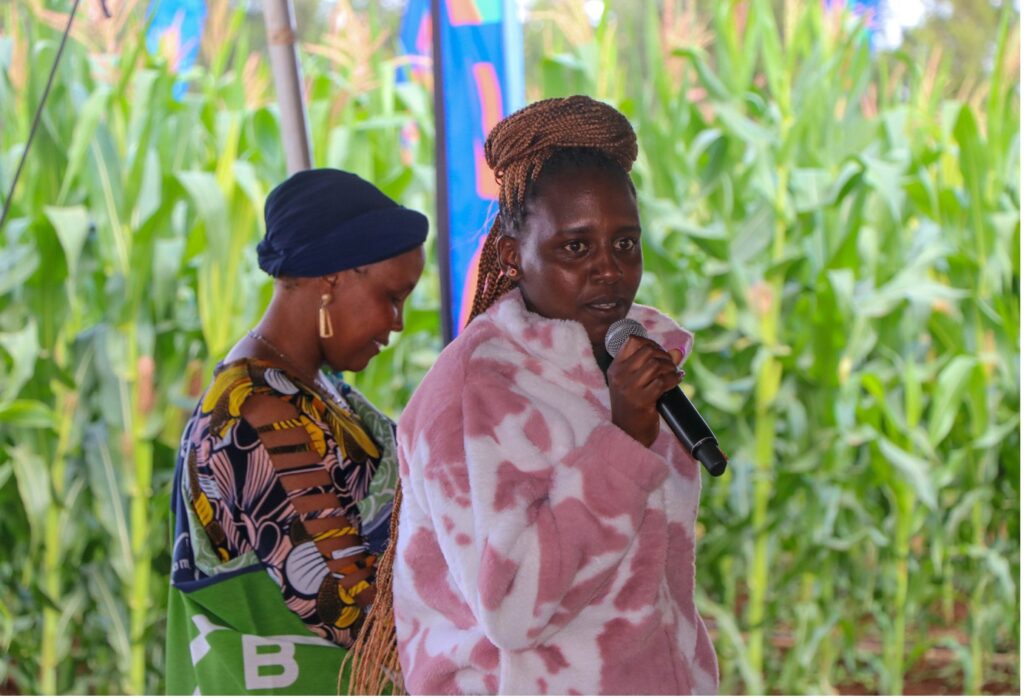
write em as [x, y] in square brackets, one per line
[841, 234]
[844, 240]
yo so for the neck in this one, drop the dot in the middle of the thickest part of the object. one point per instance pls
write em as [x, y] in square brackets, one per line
[294, 335]
[604, 359]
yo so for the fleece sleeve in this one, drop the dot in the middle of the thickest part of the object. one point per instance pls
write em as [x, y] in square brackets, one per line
[532, 513]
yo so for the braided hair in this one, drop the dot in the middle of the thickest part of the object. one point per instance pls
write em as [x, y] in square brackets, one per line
[535, 142]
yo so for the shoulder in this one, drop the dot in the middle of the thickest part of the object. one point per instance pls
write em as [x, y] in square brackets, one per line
[480, 349]
[246, 376]
[240, 386]
[481, 340]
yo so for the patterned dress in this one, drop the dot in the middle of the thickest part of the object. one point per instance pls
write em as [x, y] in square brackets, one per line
[307, 493]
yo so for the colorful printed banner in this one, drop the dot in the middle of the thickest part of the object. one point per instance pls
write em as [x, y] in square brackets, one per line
[175, 30]
[482, 62]
[869, 10]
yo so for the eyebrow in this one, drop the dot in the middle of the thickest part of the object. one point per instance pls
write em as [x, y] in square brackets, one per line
[586, 229]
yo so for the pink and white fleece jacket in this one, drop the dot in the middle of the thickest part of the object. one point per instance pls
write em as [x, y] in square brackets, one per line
[541, 549]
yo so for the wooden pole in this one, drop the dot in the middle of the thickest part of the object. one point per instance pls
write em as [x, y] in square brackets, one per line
[280, 23]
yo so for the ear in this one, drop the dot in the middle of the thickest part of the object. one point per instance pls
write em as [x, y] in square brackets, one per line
[327, 284]
[508, 251]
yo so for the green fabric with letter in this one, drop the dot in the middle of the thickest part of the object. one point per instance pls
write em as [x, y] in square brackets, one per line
[235, 635]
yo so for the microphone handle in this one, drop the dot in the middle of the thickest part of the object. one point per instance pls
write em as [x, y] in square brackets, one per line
[690, 428]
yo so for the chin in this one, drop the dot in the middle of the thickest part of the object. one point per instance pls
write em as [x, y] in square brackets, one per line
[349, 364]
[357, 366]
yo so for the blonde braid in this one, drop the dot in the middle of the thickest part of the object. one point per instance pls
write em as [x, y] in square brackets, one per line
[491, 283]
[374, 655]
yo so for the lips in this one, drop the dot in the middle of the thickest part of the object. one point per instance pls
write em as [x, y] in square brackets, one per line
[606, 305]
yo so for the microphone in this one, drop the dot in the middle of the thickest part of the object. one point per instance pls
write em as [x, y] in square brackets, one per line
[674, 407]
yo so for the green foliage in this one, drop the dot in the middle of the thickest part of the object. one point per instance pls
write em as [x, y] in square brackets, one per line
[128, 270]
[845, 244]
[843, 240]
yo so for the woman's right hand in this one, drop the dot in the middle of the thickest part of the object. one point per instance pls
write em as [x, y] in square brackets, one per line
[639, 375]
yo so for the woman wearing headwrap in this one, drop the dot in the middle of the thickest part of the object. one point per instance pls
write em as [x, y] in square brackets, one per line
[546, 534]
[285, 478]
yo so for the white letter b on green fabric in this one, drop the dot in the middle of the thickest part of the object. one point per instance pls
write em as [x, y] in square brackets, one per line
[254, 661]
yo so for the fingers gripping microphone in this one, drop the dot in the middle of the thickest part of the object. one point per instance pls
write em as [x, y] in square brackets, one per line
[674, 407]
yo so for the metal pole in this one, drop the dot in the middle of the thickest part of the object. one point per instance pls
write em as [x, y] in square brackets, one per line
[441, 174]
[280, 23]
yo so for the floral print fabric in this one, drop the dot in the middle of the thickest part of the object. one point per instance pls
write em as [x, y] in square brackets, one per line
[292, 507]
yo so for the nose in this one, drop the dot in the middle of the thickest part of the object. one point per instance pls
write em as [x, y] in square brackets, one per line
[398, 322]
[605, 268]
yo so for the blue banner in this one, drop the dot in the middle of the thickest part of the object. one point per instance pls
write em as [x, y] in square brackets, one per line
[482, 62]
[175, 31]
[870, 11]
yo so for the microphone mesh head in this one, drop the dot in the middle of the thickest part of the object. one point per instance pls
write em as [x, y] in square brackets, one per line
[619, 332]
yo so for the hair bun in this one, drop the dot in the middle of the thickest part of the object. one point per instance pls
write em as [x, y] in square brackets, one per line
[518, 145]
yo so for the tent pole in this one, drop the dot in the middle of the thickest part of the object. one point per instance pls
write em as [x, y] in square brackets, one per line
[280, 22]
[441, 173]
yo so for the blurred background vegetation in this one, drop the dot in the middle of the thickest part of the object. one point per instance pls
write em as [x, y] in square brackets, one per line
[838, 223]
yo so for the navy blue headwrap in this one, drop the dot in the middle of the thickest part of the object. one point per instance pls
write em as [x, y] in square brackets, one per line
[323, 221]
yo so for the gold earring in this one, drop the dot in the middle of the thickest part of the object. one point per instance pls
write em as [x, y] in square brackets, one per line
[326, 330]
[512, 273]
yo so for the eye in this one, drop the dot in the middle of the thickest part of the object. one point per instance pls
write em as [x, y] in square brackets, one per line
[575, 246]
[397, 299]
[626, 244]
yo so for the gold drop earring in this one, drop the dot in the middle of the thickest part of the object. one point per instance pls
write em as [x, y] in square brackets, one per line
[326, 330]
